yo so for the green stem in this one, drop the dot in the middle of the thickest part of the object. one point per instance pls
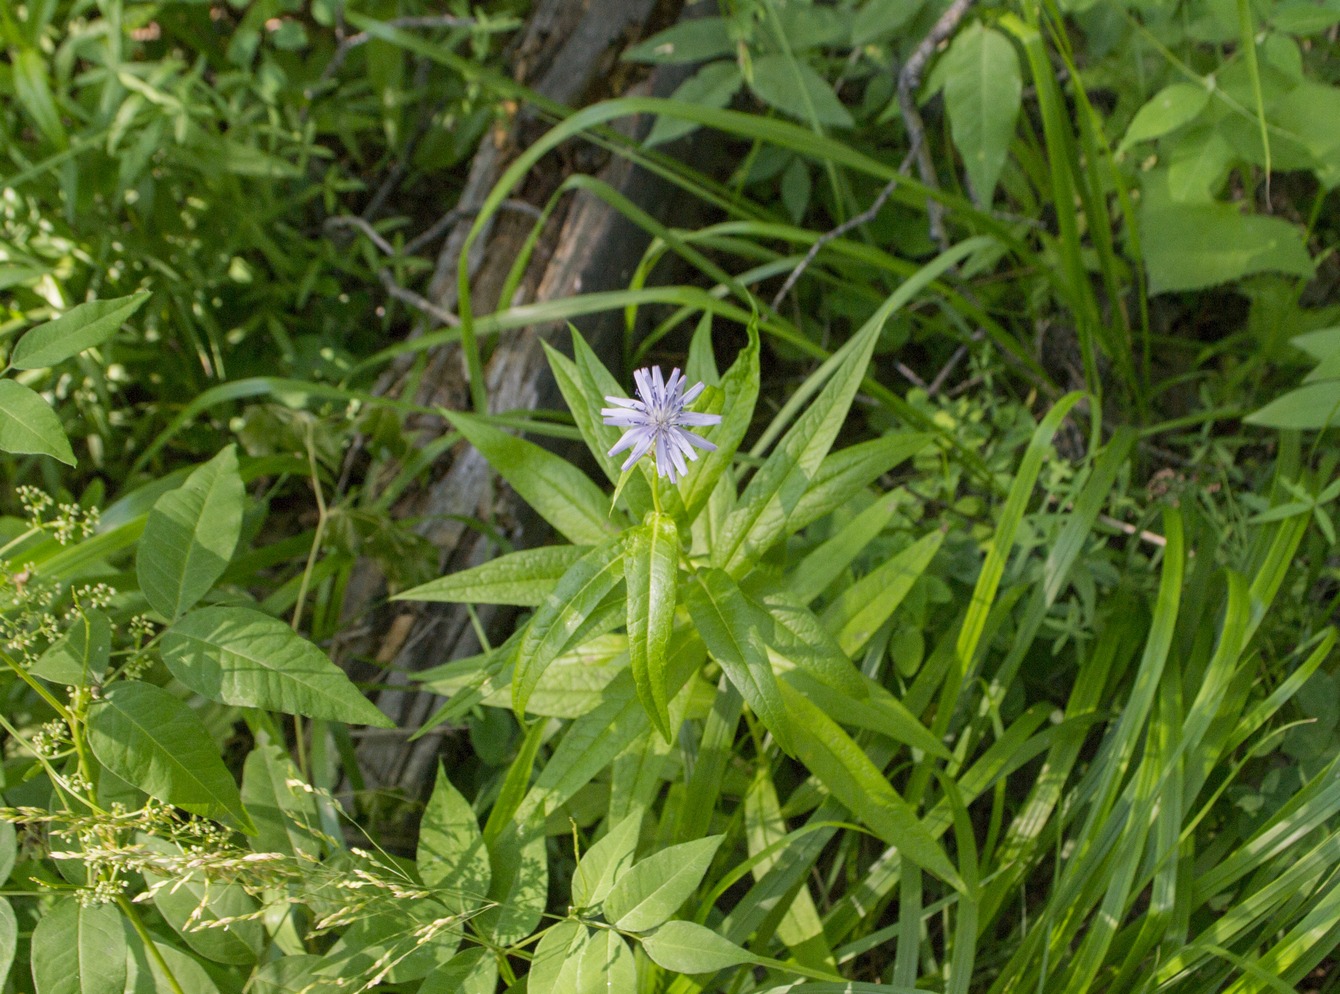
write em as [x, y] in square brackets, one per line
[131, 913]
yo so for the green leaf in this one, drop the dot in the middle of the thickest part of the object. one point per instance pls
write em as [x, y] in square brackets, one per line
[606, 965]
[451, 856]
[605, 862]
[652, 891]
[775, 491]
[983, 94]
[847, 472]
[734, 401]
[79, 950]
[29, 426]
[879, 712]
[796, 90]
[82, 654]
[558, 491]
[651, 568]
[519, 888]
[287, 975]
[713, 85]
[286, 817]
[9, 850]
[686, 947]
[1311, 407]
[239, 656]
[569, 604]
[190, 536]
[155, 742]
[864, 606]
[471, 971]
[695, 40]
[32, 86]
[878, 21]
[79, 328]
[9, 939]
[1169, 109]
[840, 765]
[1193, 245]
[826, 563]
[735, 629]
[524, 578]
[553, 970]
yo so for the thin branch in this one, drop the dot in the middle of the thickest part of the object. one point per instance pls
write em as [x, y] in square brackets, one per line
[909, 81]
[421, 304]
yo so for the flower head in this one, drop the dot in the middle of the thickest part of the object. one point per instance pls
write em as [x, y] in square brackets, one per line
[656, 421]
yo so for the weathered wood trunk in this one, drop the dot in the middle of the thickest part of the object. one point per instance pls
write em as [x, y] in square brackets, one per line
[566, 53]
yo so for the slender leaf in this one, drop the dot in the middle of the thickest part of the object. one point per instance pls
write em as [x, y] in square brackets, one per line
[686, 947]
[651, 568]
[524, 578]
[649, 893]
[79, 328]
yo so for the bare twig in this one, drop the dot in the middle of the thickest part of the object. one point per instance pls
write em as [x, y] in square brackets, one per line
[368, 231]
[954, 360]
[909, 80]
[421, 304]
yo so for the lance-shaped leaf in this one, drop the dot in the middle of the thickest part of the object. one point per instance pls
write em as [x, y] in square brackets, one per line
[237, 655]
[523, 578]
[734, 629]
[573, 599]
[864, 606]
[77, 329]
[605, 862]
[652, 891]
[190, 536]
[780, 483]
[651, 566]
[152, 740]
[843, 767]
[558, 491]
[847, 472]
[29, 426]
[686, 947]
[734, 400]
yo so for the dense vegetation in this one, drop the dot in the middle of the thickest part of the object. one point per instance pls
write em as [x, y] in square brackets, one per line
[989, 649]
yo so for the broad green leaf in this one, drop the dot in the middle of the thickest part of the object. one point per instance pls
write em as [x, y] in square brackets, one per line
[571, 686]
[649, 893]
[713, 85]
[605, 862]
[192, 905]
[451, 856]
[848, 471]
[153, 741]
[9, 937]
[800, 639]
[864, 606]
[878, 21]
[651, 569]
[1311, 407]
[558, 491]
[148, 973]
[983, 93]
[797, 90]
[9, 849]
[29, 426]
[1169, 109]
[695, 40]
[79, 950]
[1198, 162]
[734, 401]
[397, 938]
[289, 974]
[1189, 246]
[570, 603]
[734, 630]
[519, 887]
[286, 817]
[773, 494]
[473, 970]
[553, 970]
[686, 947]
[524, 578]
[239, 656]
[605, 965]
[841, 766]
[82, 653]
[79, 328]
[878, 712]
[190, 536]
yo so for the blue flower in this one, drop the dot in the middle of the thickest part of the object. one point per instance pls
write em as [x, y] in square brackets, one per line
[656, 422]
